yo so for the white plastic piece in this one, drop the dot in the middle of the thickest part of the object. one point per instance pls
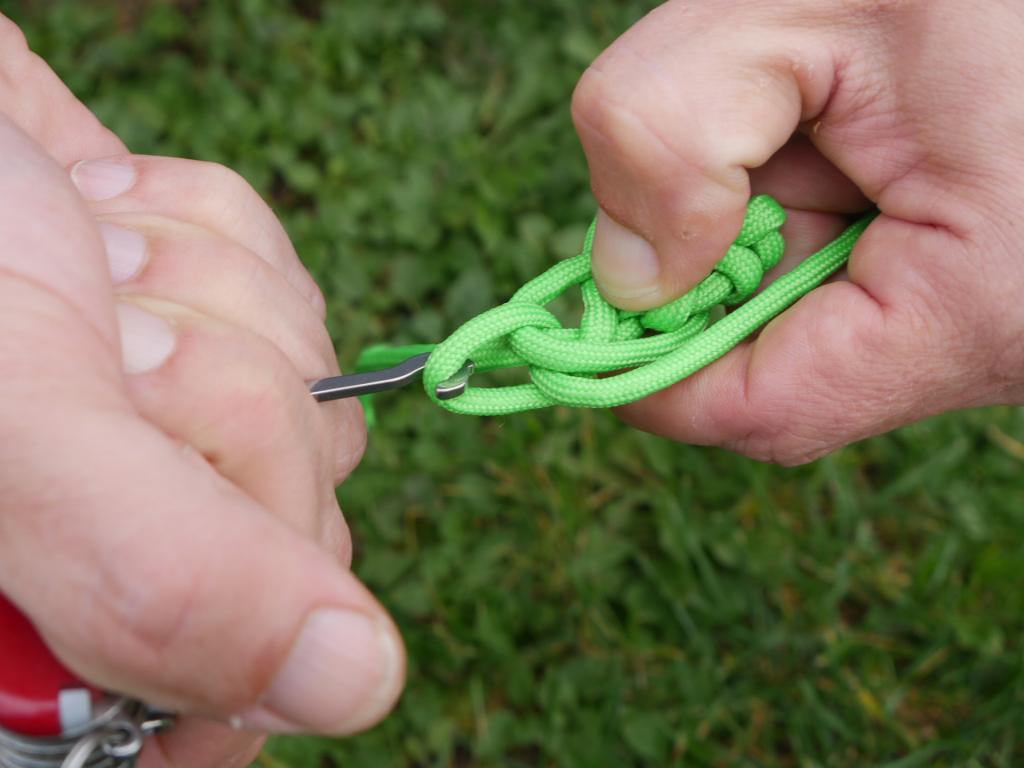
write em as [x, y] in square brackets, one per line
[75, 707]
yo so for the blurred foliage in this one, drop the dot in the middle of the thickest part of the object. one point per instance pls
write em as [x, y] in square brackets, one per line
[572, 593]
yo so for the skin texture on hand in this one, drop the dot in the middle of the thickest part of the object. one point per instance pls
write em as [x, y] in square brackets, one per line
[167, 509]
[831, 107]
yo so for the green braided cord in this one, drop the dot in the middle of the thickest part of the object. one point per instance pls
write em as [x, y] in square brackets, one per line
[660, 346]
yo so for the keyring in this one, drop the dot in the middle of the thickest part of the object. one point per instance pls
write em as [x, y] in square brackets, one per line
[51, 719]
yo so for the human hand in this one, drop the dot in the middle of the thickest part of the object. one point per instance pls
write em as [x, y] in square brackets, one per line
[167, 515]
[913, 105]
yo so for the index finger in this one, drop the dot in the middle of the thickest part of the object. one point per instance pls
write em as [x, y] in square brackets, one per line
[671, 117]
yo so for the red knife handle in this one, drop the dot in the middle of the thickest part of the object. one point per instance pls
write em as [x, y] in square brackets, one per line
[38, 695]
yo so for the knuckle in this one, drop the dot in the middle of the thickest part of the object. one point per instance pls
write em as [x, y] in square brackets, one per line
[625, 152]
[602, 110]
[311, 349]
[587, 101]
[625, 124]
[150, 603]
[257, 412]
[252, 411]
[224, 187]
[334, 533]
[223, 178]
[253, 285]
[349, 441]
[318, 300]
[344, 552]
[153, 620]
[12, 40]
[20, 68]
[608, 108]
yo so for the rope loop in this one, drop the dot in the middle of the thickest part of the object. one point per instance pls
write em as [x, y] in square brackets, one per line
[655, 348]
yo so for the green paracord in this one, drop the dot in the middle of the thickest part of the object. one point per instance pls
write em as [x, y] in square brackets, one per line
[659, 347]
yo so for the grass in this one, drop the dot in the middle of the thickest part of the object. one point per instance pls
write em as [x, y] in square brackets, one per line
[572, 592]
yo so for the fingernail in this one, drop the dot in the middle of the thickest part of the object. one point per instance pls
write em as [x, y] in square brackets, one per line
[126, 251]
[625, 266]
[103, 179]
[341, 675]
[146, 340]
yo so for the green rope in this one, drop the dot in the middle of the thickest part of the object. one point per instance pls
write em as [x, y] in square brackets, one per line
[656, 348]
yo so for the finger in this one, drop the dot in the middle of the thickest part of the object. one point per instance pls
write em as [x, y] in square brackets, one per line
[49, 238]
[668, 163]
[36, 100]
[159, 258]
[236, 400]
[199, 743]
[849, 360]
[201, 193]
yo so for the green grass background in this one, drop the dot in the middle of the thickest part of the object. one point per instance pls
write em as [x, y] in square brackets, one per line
[572, 592]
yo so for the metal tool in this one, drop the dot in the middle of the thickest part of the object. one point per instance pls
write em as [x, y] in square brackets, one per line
[369, 382]
[51, 719]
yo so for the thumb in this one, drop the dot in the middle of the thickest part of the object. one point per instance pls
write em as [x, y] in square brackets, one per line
[670, 128]
[148, 574]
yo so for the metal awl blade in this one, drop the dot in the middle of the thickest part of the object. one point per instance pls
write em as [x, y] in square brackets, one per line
[370, 382]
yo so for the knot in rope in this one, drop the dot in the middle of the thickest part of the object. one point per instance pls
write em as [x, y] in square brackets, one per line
[758, 248]
[655, 348]
[647, 351]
